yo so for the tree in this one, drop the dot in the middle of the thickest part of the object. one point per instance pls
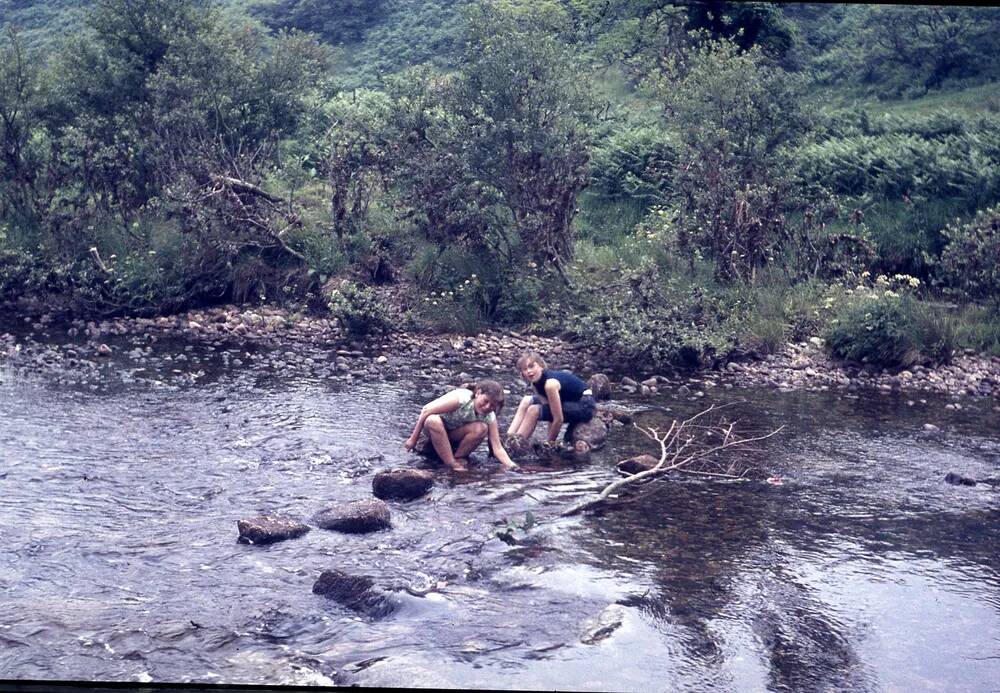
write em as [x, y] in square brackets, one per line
[735, 114]
[904, 49]
[19, 103]
[335, 21]
[527, 108]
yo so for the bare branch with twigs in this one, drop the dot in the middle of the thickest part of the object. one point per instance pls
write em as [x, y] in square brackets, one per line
[685, 447]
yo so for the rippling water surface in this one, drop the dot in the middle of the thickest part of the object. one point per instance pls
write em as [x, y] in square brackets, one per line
[119, 559]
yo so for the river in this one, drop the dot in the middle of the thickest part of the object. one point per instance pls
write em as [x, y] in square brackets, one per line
[119, 498]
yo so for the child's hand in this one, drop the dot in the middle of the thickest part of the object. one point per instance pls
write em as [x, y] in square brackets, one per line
[410, 443]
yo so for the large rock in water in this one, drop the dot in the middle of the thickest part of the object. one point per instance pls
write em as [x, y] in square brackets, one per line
[959, 480]
[594, 433]
[267, 529]
[356, 592]
[402, 484]
[356, 517]
[639, 463]
[600, 385]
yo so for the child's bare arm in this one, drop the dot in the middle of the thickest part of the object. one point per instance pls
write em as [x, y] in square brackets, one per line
[555, 406]
[498, 450]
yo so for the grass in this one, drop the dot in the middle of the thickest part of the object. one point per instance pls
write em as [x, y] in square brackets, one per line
[606, 220]
[974, 100]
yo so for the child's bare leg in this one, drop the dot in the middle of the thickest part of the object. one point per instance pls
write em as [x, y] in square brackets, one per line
[467, 438]
[522, 407]
[529, 421]
[438, 434]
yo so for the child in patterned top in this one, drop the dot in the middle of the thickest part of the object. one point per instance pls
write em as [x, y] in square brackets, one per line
[463, 418]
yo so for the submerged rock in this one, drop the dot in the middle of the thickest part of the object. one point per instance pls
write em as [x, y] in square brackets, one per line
[355, 517]
[594, 433]
[402, 484]
[603, 626]
[268, 529]
[639, 463]
[356, 592]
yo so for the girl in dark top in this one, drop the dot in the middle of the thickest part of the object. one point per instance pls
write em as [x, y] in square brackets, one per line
[560, 397]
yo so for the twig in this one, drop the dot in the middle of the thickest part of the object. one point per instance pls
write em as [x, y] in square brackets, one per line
[674, 445]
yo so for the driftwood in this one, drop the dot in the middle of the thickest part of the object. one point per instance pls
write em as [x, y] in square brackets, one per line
[96, 257]
[686, 447]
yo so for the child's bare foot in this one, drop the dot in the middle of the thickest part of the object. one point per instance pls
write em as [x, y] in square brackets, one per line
[460, 465]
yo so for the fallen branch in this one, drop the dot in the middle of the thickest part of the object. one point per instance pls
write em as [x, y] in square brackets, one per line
[96, 257]
[242, 186]
[678, 455]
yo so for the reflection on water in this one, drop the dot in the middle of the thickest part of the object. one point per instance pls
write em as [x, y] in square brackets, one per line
[863, 571]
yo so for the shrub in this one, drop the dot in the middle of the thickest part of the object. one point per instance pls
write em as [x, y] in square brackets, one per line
[876, 330]
[359, 310]
[969, 260]
[637, 324]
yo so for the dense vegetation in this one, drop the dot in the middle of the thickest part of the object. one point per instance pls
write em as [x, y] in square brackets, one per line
[670, 181]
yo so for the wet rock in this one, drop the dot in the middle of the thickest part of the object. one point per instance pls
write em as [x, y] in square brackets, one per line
[628, 382]
[518, 447]
[639, 463]
[603, 626]
[402, 484]
[959, 480]
[355, 517]
[594, 433]
[267, 529]
[609, 413]
[356, 592]
[600, 385]
[103, 350]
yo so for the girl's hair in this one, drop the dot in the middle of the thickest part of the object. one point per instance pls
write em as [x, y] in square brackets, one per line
[528, 358]
[490, 388]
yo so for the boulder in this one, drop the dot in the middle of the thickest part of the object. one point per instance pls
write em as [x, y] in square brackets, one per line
[355, 517]
[639, 463]
[600, 385]
[402, 484]
[959, 480]
[356, 592]
[268, 529]
[594, 433]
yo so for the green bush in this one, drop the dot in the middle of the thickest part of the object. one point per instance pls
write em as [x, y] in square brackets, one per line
[970, 262]
[359, 310]
[875, 330]
[641, 321]
[633, 163]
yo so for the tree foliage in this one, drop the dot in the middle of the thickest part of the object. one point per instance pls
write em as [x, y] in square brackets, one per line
[735, 115]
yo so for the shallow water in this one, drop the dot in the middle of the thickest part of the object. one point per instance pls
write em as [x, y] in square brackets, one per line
[119, 559]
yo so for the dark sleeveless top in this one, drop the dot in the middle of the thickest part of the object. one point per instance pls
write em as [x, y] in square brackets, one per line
[571, 388]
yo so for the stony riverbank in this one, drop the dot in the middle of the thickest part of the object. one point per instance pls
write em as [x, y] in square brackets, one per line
[298, 344]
